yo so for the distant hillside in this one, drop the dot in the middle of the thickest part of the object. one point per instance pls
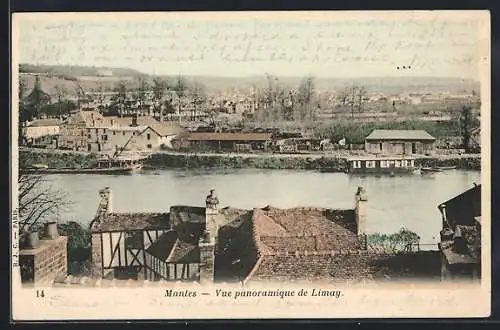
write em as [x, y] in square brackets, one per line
[382, 84]
[70, 76]
[76, 71]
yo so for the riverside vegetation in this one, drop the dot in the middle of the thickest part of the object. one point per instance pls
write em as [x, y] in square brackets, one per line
[225, 161]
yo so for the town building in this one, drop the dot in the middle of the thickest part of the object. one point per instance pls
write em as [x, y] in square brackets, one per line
[134, 137]
[73, 132]
[91, 131]
[179, 245]
[228, 141]
[400, 142]
[460, 243]
[40, 131]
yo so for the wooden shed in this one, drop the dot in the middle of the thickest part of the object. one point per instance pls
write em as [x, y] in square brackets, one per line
[400, 142]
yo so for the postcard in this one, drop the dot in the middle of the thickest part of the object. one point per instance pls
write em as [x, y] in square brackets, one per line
[229, 165]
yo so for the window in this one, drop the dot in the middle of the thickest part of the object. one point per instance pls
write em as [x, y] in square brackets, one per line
[148, 136]
[380, 146]
[123, 133]
[114, 133]
[397, 163]
[150, 146]
[404, 163]
[356, 164]
[105, 138]
[89, 136]
[133, 133]
[370, 164]
[384, 163]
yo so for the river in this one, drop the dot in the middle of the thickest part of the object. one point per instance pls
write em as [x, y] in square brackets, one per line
[393, 202]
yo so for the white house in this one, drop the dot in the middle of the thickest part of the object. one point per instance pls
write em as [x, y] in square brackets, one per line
[131, 138]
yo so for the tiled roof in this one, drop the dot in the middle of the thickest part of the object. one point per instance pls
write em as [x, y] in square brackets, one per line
[165, 129]
[281, 235]
[312, 221]
[185, 252]
[162, 248]
[45, 122]
[389, 134]
[131, 221]
[199, 136]
[352, 266]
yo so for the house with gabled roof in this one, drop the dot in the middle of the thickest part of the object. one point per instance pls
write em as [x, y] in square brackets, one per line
[400, 142]
[460, 243]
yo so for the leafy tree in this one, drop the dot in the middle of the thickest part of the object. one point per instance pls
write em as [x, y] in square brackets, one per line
[401, 241]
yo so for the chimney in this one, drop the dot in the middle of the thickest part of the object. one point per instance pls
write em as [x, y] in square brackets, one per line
[51, 231]
[360, 209]
[209, 239]
[105, 203]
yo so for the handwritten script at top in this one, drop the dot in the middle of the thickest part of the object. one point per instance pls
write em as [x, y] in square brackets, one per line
[419, 43]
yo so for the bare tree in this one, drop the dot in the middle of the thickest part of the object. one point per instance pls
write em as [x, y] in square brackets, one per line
[100, 90]
[38, 201]
[141, 92]
[81, 95]
[120, 98]
[198, 97]
[180, 88]
[306, 98]
[360, 98]
[159, 87]
[61, 94]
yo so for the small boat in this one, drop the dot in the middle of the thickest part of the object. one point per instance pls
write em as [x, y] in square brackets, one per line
[446, 168]
[103, 166]
[430, 170]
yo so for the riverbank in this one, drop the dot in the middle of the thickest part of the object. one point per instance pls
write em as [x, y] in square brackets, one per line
[164, 160]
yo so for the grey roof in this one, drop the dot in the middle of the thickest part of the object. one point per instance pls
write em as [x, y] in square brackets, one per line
[390, 134]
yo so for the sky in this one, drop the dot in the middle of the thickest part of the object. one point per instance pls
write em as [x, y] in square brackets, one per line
[249, 44]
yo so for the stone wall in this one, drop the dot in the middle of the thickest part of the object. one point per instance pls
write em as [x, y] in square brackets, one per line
[96, 266]
[44, 263]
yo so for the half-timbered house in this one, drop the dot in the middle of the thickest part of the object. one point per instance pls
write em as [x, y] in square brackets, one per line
[173, 246]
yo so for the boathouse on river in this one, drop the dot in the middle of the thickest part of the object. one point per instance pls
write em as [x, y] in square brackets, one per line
[400, 142]
[381, 164]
